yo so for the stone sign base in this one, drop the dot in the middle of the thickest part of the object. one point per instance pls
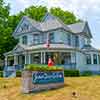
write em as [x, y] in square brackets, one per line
[29, 86]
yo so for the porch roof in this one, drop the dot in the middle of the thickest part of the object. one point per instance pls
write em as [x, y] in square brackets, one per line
[22, 48]
[90, 48]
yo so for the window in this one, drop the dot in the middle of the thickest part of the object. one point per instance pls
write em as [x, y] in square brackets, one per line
[88, 59]
[51, 37]
[24, 39]
[69, 39]
[94, 58]
[99, 58]
[43, 38]
[36, 39]
[76, 41]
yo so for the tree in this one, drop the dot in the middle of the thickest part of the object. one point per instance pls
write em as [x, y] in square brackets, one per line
[6, 40]
[66, 16]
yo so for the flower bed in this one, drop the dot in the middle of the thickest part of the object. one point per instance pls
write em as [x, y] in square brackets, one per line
[37, 67]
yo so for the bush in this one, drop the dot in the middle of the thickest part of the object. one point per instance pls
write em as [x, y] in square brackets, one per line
[1, 73]
[36, 67]
[18, 73]
[86, 73]
[71, 73]
[1, 68]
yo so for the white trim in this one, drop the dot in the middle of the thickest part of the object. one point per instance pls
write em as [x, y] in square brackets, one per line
[44, 58]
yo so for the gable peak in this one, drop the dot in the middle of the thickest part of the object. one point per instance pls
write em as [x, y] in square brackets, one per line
[48, 16]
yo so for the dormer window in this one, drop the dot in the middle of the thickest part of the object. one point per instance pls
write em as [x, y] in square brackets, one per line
[24, 40]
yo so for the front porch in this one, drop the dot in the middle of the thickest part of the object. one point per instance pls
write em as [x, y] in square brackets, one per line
[66, 59]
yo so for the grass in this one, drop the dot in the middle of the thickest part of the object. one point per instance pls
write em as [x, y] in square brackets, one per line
[86, 88]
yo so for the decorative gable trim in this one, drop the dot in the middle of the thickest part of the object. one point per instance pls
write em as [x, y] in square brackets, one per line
[87, 30]
[18, 48]
[25, 18]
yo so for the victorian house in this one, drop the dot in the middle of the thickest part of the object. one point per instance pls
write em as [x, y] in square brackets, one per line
[69, 46]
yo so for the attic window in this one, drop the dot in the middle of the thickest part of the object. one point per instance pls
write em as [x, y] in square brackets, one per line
[25, 27]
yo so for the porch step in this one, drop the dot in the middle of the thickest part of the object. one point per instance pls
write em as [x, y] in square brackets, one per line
[10, 71]
[9, 74]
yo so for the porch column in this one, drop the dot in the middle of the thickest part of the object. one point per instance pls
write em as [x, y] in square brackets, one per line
[29, 58]
[44, 57]
[6, 61]
[97, 59]
[92, 59]
[41, 58]
[73, 57]
[15, 60]
[25, 58]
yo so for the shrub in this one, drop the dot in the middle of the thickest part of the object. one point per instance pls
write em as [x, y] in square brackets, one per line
[71, 73]
[1, 73]
[1, 68]
[87, 73]
[18, 73]
[36, 67]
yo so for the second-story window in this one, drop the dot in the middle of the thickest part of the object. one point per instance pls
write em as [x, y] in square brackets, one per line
[36, 39]
[76, 41]
[94, 58]
[24, 40]
[69, 39]
[51, 37]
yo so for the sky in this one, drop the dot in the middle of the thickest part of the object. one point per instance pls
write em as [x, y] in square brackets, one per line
[88, 10]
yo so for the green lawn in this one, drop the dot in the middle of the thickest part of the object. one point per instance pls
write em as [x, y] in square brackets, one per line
[86, 88]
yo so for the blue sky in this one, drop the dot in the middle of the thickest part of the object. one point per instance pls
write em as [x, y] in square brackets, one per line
[85, 9]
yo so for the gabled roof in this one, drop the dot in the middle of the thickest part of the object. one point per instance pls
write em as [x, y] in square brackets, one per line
[77, 27]
[50, 22]
[47, 17]
[80, 27]
[32, 22]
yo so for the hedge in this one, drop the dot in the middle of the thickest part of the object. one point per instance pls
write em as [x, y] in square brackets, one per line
[1, 73]
[86, 73]
[71, 73]
[18, 73]
[1, 68]
[37, 67]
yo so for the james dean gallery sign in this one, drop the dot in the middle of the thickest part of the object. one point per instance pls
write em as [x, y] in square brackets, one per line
[41, 80]
[47, 77]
